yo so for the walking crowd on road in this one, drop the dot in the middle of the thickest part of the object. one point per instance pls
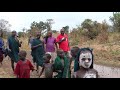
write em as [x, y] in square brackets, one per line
[52, 57]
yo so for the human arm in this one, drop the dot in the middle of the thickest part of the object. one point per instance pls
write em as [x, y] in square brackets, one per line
[59, 39]
[28, 41]
[20, 43]
[35, 46]
[56, 44]
[97, 76]
[8, 45]
[41, 71]
[17, 70]
[31, 66]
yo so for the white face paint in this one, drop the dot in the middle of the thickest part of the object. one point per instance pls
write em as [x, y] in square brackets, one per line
[85, 59]
[89, 75]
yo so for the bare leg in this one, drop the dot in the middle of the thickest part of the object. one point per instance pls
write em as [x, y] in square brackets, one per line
[0, 64]
[37, 67]
[12, 64]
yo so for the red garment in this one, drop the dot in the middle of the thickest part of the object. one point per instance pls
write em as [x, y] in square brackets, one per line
[64, 45]
[22, 70]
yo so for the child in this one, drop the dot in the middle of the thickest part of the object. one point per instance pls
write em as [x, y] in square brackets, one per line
[23, 66]
[85, 60]
[73, 63]
[47, 66]
[62, 65]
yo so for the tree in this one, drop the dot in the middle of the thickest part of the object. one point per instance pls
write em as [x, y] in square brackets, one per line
[24, 29]
[90, 28]
[66, 28]
[49, 23]
[87, 24]
[54, 31]
[20, 34]
[4, 26]
[41, 26]
[115, 21]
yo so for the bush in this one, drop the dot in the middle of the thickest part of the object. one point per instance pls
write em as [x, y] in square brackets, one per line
[102, 38]
[91, 34]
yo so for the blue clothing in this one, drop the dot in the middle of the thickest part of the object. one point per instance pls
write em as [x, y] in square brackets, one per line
[1, 43]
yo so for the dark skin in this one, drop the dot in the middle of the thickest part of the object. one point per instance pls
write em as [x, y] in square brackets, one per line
[62, 33]
[1, 35]
[61, 54]
[14, 35]
[22, 54]
[80, 73]
[50, 35]
[38, 37]
[47, 66]
[74, 52]
[29, 39]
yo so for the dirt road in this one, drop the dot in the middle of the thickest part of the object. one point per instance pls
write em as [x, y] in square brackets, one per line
[104, 72]
[6, 70]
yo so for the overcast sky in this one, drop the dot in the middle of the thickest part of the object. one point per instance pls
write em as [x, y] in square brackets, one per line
[19, 20]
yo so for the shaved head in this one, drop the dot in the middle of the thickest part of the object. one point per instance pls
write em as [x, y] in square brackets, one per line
[14, 33]
[49, 33]
[62, 31]
[38, 35]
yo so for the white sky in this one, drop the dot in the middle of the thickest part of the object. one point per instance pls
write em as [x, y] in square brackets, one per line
[19, 20]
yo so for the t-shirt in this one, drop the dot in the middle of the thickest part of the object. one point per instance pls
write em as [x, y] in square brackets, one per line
[64, 45]
[22, 70]
[50, 44]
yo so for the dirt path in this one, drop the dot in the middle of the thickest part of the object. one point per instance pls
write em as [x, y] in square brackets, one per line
[107, 72]
[104, 72]
[6, 70]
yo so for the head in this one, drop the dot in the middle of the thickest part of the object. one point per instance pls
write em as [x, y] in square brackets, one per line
[47, 58]
[14, 33]
[30, 36]
[74, 51]
[60, 53]
[86, 58]
[62, 31]
[49, 33]
[22, 55]
[38, 35]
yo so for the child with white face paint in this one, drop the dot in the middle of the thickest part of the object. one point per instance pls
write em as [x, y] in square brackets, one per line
[85, 61]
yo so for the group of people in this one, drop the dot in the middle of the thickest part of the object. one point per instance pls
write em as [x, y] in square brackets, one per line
[53, 55]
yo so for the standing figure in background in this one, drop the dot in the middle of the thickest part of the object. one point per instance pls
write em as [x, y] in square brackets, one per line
[74, 65]
[13, 46]
[50, 43]
[63, 42]
[38, 51]
[1, 47]
[30, 40]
